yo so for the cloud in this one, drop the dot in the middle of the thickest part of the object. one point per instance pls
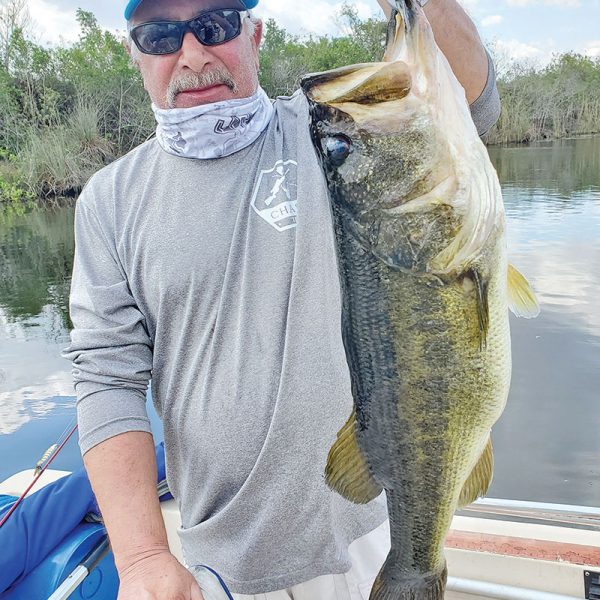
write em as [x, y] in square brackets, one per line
[492, 20]
[519, 50]
[592, 49]
[56, 20]
[560, 3]
[470, 3]
[317, 17]
[54, 24]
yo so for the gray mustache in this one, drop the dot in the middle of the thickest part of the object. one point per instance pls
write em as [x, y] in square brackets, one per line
[198, 80]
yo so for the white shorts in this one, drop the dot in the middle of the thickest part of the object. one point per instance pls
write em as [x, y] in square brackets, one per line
[367, 554]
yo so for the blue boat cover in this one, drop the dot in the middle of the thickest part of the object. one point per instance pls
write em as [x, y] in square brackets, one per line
[45, 518]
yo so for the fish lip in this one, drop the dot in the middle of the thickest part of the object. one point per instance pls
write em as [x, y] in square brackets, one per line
[365, 84]
[311, 80]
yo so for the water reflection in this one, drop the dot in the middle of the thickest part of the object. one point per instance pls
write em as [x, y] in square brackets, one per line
[32, 373]
[546, 444]
[561, 253]
[36, 250]
[546, 448]
[561, 168]
[36, 257]
[23, 448]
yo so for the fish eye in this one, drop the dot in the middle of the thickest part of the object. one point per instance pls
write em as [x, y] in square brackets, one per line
[337, 148]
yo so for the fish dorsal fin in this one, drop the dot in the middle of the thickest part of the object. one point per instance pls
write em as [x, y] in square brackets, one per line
[347, 472]
[479, 480]
[521, 299]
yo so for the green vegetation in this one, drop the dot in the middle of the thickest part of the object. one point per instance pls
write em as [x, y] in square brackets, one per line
[560, 100]
[67, 111]
[285, 58]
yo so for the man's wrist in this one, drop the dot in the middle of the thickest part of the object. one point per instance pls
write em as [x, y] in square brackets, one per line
[130, 559]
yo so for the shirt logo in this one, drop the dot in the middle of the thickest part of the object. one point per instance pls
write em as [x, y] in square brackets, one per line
[274, 197]
[234, 123]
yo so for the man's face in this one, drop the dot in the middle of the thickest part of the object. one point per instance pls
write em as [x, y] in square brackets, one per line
[197, 74]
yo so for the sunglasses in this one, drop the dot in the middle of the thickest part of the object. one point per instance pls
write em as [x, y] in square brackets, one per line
[211, 28]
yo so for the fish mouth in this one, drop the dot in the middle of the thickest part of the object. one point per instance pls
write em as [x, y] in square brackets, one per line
[365, 84]
[368, 84]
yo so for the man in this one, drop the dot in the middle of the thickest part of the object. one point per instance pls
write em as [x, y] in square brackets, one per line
[205, 259]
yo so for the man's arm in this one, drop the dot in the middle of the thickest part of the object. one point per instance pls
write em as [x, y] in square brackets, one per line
[112, 358]
[122, 470]
[457, 37]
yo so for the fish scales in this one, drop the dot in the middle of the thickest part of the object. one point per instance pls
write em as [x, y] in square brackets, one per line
[419, 228]
[404, 379]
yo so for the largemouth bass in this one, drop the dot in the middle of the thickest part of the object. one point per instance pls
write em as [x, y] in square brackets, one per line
[419, 226]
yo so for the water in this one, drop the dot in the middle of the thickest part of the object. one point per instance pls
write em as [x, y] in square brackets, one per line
[547, 443]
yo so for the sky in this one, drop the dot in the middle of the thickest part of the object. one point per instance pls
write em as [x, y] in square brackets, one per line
[530, 30]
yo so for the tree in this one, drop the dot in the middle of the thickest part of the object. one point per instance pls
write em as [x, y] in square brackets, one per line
[99, 68]
[14, 15]
[285, 58]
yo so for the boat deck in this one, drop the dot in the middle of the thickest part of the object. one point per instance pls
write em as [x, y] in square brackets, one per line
[496, 549]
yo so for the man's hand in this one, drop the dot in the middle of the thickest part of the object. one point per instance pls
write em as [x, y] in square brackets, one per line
[158, 576]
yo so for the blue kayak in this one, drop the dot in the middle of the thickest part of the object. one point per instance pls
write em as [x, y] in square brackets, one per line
[52, 532]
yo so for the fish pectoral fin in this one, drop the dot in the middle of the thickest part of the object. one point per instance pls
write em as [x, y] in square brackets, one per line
[347, 471]
[479, 480]
[521, 298]
[483, 308]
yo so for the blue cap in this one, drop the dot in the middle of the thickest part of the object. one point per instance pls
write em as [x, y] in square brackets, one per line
[133, 4]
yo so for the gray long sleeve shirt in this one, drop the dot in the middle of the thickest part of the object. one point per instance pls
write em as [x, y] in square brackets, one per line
[217, 279]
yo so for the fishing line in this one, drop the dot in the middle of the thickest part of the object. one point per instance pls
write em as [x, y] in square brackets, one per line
[66, 430]
[38, 475]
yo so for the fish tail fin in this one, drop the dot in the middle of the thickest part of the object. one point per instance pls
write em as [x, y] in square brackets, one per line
[389, 586]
